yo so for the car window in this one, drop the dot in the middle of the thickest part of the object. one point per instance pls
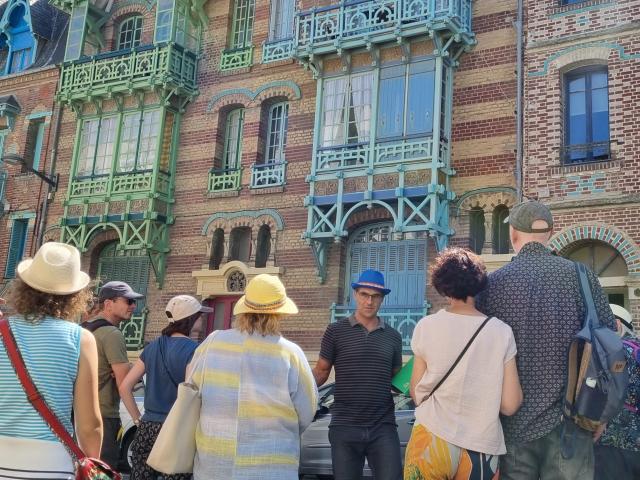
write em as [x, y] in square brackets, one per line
[403, 402]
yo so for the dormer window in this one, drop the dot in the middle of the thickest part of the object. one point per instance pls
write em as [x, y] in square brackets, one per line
[130, 32]
[17, 38]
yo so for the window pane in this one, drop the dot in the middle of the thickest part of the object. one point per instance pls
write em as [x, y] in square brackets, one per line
[163, 20]
[233, 142]
[88, 141]
[130, 33]
[277, 136]
[391, 102]
[106, 142]
[128, 142]
[420, 102]
[149, 134]
[243, 23]
[282, 12]
[360, 108]
[577, 118]
[334, 96]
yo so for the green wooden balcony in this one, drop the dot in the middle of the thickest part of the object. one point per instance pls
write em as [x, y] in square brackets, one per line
[168, 66]
[275, 50]
[133, 330]
[224, 180]
[236, 58]
[124, 184]
[349, 24]
[402, 318]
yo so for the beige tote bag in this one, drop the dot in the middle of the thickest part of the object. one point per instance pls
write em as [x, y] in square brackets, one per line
[175, 447]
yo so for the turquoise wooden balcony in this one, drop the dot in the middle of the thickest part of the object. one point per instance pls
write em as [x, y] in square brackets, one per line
[168, 66]
[236, 58]
[133, 330]
[275, 50]
[402, 318]
[268, 174]
[356, 24]
[224, 180]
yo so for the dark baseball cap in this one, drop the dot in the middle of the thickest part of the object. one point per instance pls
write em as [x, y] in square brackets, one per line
[524, 214]
[117, 289]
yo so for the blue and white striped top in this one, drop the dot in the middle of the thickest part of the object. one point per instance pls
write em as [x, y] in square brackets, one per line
[51, 350]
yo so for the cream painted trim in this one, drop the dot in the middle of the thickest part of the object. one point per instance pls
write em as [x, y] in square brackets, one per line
[213, 283]
[494, 261]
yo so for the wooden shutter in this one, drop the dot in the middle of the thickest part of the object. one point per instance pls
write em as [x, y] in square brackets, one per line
[16, 246]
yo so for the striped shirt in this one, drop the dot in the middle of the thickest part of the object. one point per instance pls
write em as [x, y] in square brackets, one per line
[51, 350]
[258, 396]
[364, 363]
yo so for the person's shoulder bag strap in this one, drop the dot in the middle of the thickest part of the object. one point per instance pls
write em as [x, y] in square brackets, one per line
[464, 350]
[161, 348]
[34, 397]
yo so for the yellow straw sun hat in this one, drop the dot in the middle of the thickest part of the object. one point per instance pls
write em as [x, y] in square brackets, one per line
[265, 294]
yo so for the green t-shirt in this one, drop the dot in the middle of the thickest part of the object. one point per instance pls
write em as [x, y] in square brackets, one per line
[111, 349]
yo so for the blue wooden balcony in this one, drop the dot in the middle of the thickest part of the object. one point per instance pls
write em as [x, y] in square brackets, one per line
[402, 318]
[356, 24]
[268, 174]
[275, 50]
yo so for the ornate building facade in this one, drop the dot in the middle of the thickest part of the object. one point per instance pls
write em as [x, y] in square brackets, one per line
[581, 148]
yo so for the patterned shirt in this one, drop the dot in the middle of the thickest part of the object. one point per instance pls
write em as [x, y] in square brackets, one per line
[538, 295]
[623, 431]
[258, 396]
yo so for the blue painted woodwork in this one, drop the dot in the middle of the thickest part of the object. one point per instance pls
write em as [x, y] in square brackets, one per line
[16, 246]
[16, 34]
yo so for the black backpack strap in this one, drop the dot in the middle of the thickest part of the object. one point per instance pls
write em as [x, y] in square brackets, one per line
[587, 296]
[464, 350]
[94, 325]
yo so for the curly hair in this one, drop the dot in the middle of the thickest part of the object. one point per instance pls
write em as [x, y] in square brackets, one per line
[458, 273]
[34, 305]
[262, 323]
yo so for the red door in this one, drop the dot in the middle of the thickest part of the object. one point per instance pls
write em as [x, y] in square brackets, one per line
[220, 318]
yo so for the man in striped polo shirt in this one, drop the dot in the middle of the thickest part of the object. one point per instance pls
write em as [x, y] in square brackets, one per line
[366, 354]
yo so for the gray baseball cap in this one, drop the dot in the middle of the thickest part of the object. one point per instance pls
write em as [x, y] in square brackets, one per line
[524, 214]
[117, 289]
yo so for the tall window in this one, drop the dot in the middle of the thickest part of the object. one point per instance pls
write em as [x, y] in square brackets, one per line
[405, 100]
[233, 139]
[97, 143]
[500, 234]
[277, 134]
[476, 230]
[240, 244]
[35, 140]
[164, 18]
[282, 14]
[263, 246]
[587, 115]
[217, 249]
[17, 246]
[130, 32]
[347, 110]
[139, 141]
[242, 28]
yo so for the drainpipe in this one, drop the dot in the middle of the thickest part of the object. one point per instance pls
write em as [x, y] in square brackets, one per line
[519, 98]
[52, 169]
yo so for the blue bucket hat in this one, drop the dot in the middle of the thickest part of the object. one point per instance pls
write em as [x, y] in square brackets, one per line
[371, 279]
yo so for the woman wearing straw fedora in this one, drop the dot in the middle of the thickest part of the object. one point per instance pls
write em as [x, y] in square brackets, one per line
[60, 357]
[258, 394]
[165, 361]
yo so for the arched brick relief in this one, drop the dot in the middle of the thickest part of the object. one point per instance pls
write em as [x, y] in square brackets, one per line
[285, 89]
[102, 233]
[366, 216]
[486, 198]
[52, 234]
[621, 242]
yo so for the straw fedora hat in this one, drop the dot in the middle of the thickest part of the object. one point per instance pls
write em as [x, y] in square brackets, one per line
[265, 294]
[54, 269]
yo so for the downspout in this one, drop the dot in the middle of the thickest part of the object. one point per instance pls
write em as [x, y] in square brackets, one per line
[52, 169]
[519, 99]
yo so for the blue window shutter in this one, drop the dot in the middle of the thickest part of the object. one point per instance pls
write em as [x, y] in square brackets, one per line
[16, 246]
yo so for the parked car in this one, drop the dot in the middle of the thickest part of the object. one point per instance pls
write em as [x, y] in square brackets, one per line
[128, 429]
[315, 452]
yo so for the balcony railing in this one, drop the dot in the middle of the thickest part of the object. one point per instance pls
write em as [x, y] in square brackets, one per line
[124, 183]
[275, 50]
[133, 330]
[586, 153]
[236, 58]
[124, 70]
[223, 180]
[385, 153]
[268, 174]
[402, 318]
[321, 30]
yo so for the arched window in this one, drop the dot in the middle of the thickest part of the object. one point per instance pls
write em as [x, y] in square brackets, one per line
[476, 230]
[240, 244]
[130, 32]
[500, 234]
[217, 249]
[263, 248]
[233, 139]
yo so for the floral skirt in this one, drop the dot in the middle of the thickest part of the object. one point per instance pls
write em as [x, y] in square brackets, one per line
[429, 457]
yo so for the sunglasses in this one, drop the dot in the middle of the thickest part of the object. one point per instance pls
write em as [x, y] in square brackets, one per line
[130, 301]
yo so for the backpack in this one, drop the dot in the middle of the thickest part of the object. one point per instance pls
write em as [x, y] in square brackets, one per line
[633, 346]
[597, 375]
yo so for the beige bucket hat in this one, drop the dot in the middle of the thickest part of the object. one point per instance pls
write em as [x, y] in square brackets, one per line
[265, 294]
[54, 269]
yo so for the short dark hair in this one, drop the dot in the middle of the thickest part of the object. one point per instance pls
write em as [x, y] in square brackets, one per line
[183, 326]
[458, 273]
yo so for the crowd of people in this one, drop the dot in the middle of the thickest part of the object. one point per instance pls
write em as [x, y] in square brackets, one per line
[488, 379]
